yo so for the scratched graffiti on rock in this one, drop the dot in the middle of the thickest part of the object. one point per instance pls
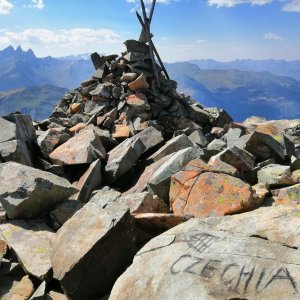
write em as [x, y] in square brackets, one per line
[234, 277]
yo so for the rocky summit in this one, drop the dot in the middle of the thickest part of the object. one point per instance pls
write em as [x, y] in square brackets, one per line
[131, 190]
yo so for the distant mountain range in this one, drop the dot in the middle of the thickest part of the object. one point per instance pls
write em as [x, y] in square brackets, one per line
[267, 88]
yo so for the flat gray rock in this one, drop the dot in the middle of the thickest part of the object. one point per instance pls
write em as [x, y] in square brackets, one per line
[177, 143]
[27, 193]
[122, 158]
[30, 241]
[275, 175]
[150, 137]
[218, 258]
[92, 249]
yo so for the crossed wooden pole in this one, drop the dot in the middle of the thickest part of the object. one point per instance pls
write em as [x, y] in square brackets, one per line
[145, 23]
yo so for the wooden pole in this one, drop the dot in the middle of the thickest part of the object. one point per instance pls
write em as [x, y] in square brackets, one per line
[154, 48]
[148, 33]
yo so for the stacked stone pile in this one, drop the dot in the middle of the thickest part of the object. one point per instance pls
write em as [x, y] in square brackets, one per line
[130, 191]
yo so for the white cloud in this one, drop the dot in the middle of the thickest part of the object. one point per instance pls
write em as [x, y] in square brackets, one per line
[64, 37]
[5, 7]
[65, 41]
[200, 41]
[231, 3]
[272, 36]
[39, 4]
[292, 6]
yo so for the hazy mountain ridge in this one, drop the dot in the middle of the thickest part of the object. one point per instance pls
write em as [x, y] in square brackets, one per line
[242, 92]
[276, 67]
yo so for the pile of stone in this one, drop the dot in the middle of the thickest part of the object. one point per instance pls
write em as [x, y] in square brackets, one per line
[130, 191]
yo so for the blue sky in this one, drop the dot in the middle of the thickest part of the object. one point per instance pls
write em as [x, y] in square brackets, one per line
[183, 29]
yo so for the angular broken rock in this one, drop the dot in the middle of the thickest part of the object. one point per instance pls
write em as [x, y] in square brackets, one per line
[17, 139]
[238, 158]
[204, 260]
[144, 203]
[201, 194]
[27, 193]
[52, 138]
[39, 294]
[176, 144]
[275, 175]
[139, 84]
[150, 137]
[89, 181]
[288, 195]
[83, 148]
[30, 241]
[92, 249]
[23, 289]
[122, 158]
[137, 100]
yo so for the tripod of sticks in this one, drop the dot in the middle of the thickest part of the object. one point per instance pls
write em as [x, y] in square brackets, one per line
[146, 36]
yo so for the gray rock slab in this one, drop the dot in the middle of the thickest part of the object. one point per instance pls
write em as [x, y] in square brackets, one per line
[236, 157]
[176, 144]
[89, 181]
[208, 259]
[275, 175]
[150, 137]
[27, 193]
[122, 158]
[30, 241]
[92, 249]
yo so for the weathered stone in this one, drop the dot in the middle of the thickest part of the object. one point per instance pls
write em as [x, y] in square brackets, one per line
[85, 147]
[137, 100]
[102, 90]
[216, 146]
[75, 107]
[261, 190]
[218, 117]
[144, 203]
[139, 84]
[198, 138]
[122, 158]
[135, 46]
[30, 241]
[198, 114]
[3, 248]
[99, 74]
[157, 223]
[205, 194]
[232, 136]
[89, 181]
[136, 56]
[17, 139]
[105, 197]
[176, 144]
[77, 127]
[129, 77]
[288, 195]
[264, 146]
[238, 158]
[121, 131]
[296, 176]
[27, 193]
[219, 258]
[63, 212]
[39, 294]
[52, 138]
[219, 166]
[23, 289]
[150, 137]
[82, 268]
[275, 175]
[55, 296]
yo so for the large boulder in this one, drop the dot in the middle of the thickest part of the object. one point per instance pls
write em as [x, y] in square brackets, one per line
[83, 148]
[219, 258]
[199, 192]
[92, 249]
[18, 139]
[30, 241]
[26, 192]
[122, 158]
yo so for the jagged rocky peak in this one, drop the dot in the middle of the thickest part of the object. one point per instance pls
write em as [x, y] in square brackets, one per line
[131, 190]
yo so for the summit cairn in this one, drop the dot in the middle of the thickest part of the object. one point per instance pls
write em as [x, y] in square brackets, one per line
[131, 190]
